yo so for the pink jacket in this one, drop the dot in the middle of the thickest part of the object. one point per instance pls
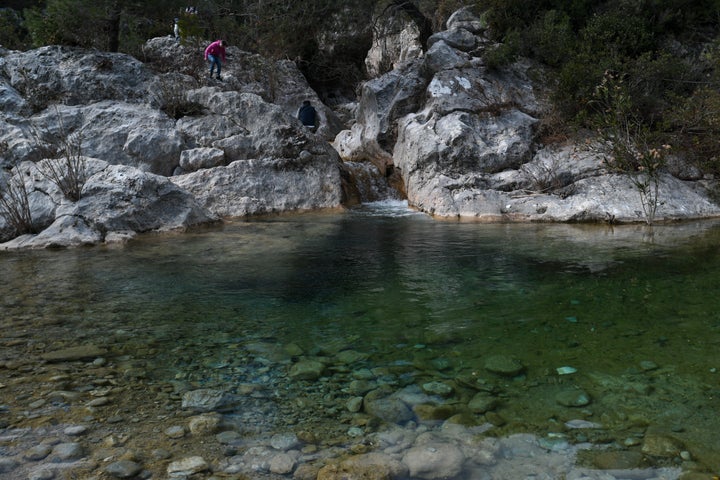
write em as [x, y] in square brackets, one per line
[215, 49]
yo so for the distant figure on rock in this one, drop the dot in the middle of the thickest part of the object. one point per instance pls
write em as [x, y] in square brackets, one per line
[215, 54]
[176, 29]
[308, 116]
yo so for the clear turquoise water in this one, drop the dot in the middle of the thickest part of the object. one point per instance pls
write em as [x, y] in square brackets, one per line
[420, 298]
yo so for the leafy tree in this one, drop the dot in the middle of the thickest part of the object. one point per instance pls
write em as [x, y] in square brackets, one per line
[626, 143]
[111, 25]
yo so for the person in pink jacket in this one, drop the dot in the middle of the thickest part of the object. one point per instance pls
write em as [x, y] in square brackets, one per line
[215, 54]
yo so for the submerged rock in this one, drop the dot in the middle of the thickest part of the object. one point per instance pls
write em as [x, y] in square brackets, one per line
[389, 408]
[208, 400]
[307, 370]
[123, 469]
[74, 353]
[482, 402]
[434, 461]
[573, 397]
[618, 460]
[370, 466]
[504, 365]
[661, 444]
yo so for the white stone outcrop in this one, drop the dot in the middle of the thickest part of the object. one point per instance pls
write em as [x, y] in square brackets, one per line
[179, 149]
[463, 139]
[116, 202]
[175, 149]
[395, 42]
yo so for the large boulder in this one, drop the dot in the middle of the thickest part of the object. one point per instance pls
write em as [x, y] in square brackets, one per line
[279, 82]
[396, 40]
[274, 164]
[384, 101]
[120, 133]
[74, 76]
[256, 186]
[116, 201]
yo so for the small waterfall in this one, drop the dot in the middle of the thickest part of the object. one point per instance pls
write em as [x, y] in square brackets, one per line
[370, 184]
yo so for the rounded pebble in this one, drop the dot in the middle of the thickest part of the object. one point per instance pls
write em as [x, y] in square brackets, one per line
[175, 431]
[123, 469]
[68, 451]
[75, 431]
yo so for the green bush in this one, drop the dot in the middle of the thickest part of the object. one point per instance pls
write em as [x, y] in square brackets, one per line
[65, 22]
[504, 53]
[576, 83]
[617, 35]
[655, 80]
[626, 143]
[550, 39]
[695, 123]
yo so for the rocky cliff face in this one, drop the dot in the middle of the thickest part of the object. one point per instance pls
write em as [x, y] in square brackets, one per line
[463, 138]
[177, 149]
[166, 147]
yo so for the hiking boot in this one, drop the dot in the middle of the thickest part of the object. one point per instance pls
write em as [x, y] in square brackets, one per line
[218, 77]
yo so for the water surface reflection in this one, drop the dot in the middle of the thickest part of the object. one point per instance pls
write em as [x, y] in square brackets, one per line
[416, 301]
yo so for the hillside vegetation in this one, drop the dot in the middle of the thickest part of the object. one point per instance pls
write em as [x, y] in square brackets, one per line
[649, 65]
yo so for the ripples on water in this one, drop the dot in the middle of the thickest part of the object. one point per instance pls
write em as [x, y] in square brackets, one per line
[404, 289]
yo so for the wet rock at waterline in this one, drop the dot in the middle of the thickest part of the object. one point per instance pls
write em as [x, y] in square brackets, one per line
[115, 198]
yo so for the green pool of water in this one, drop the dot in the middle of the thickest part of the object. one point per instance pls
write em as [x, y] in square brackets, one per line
[636, 313]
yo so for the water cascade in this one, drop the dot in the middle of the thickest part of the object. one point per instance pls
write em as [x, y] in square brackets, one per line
[370, 184]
